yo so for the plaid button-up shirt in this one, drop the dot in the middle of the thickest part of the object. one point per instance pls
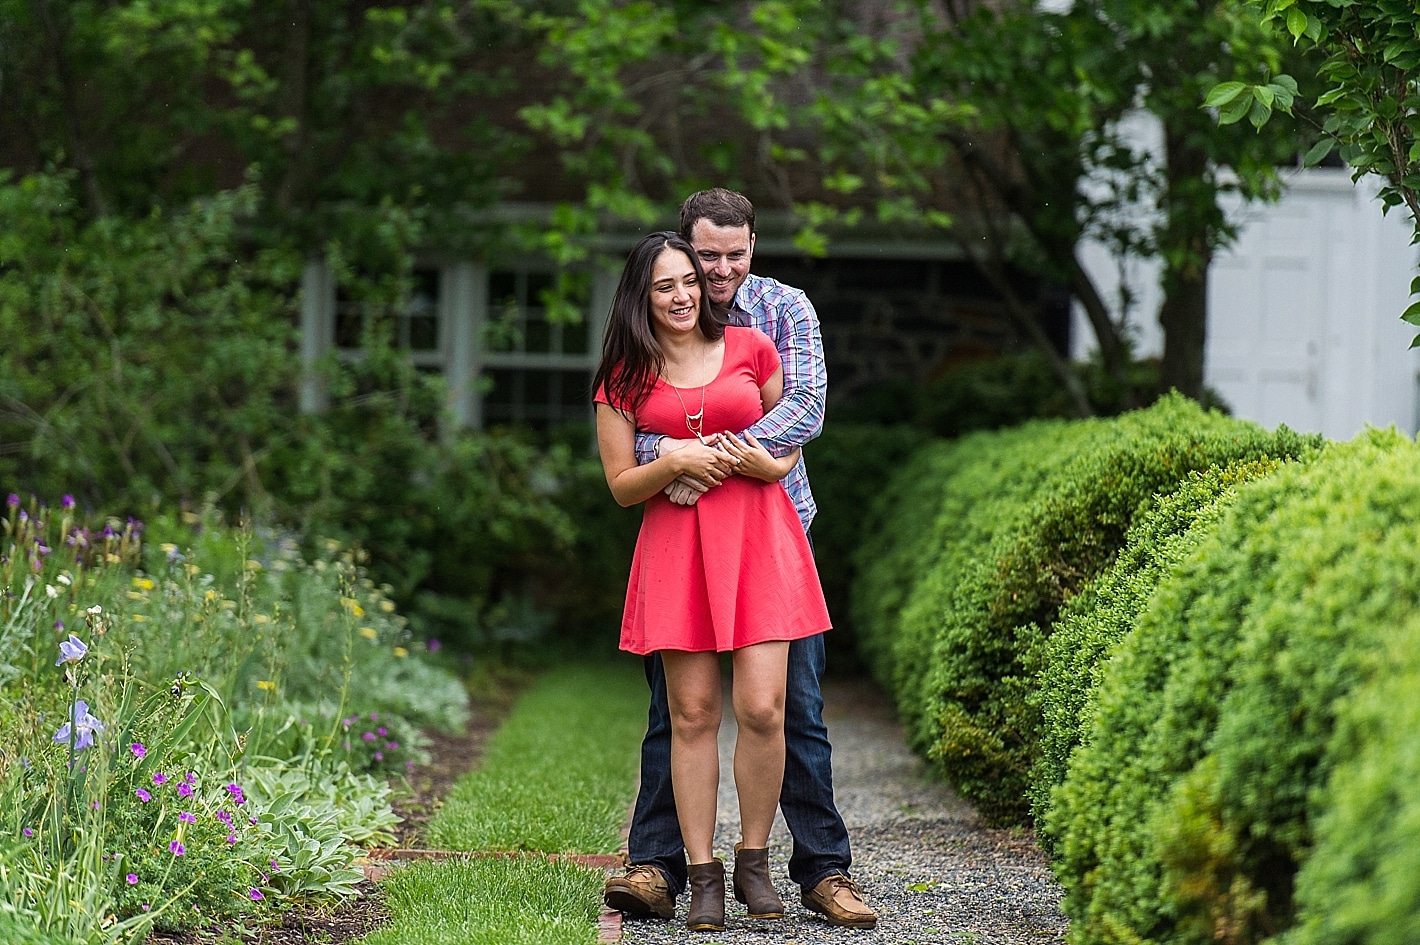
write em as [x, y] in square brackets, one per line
[785, 314]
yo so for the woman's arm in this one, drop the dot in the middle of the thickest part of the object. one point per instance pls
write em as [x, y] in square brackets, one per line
[631, 483]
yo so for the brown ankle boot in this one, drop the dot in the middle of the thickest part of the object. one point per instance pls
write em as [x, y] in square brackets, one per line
[752, 884]
[707, 897]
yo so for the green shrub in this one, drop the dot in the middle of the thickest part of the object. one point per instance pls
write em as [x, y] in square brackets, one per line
[1187, 811]
[988, 646]
[967, 490]
[849, 466]
[1092, 623]
[1361, 880]
[152, 364]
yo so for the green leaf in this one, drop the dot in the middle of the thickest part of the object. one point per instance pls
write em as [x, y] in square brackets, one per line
[1223, 93]
[1296, 23]
[1412, 314]
[1318, 152]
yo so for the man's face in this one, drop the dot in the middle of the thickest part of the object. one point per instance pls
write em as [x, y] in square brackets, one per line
[725, 252]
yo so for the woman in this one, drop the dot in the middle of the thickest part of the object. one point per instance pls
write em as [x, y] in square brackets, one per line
[732, 573]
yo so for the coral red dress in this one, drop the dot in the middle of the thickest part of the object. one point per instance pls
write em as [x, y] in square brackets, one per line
[734, 569]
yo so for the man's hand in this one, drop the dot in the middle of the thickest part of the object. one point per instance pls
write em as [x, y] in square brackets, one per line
[686, 489]
[754, 459]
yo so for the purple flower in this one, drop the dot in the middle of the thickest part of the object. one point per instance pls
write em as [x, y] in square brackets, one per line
[382, 731]
[59, 625]
[176, 848]
[379, 756]
[144, 796]
[231, 838]
[224, 817]
[132, 879]
[434, 645]
[190, 777]
[238, 797]
[146, 907]
[274, 867]
[12, 500]
[185, 789]
[138, 750]
[368, 736]
[392, 745]
[71, 650]
[80, 728]
[66, 501]
[28, 832]
[256, 895]
[160, 778]
[108, 532]
[187, 818]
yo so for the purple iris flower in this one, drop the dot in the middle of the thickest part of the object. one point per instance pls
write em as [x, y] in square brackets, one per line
[71, 650]
[80, 728]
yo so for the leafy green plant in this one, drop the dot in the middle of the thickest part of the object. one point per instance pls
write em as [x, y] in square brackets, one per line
[988, 646]
[1194, 800]
[1104, 612]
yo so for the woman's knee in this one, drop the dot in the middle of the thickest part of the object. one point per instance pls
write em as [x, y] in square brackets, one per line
[763, 716]
[695, 717]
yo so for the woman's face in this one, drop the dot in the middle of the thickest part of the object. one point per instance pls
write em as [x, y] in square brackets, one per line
[675, 294]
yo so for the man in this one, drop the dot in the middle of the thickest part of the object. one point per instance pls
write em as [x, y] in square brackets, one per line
[719, 224]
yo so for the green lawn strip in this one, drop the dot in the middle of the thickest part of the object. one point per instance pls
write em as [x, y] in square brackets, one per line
[559, 775]
[524, 900]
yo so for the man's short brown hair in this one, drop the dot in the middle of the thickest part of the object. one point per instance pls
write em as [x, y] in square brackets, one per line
[720, 206]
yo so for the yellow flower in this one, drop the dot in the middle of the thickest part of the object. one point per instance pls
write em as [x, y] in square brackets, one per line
[144, 584]
[210, 595]
[266, 684]
[135, 595]
[137, 618]
[369, 633]
[401, 652]
[168, 547]
[112, 558]
[387, 606]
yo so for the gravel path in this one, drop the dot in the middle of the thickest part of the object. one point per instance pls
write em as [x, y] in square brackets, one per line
[928, 866]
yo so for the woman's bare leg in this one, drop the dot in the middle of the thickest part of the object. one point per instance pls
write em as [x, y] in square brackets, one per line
[759, 682]
[693, 692]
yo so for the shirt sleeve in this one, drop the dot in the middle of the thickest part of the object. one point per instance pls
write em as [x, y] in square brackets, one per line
[798, 417]
[645, 442]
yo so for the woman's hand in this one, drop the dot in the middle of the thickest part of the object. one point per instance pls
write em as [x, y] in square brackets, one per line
[703, 462]
[754, 460]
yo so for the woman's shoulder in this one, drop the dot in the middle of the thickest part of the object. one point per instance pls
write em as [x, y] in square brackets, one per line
[747, 338]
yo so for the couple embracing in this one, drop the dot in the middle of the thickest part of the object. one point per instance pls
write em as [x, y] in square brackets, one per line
[710, 382]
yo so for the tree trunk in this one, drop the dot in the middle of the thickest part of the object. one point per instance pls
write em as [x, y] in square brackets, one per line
[1183, 315]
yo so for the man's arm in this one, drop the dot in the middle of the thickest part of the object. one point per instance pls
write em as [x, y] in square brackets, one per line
[646, 447]
[798, 417]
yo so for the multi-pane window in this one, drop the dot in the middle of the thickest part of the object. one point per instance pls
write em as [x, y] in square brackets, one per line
[539, 364]
[412, 327]
[513, 350]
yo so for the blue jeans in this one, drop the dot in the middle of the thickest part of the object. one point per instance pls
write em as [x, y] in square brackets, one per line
[806, 800]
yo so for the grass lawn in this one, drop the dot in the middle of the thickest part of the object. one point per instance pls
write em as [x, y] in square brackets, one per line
[492, 901]
[557, 777]
[560, 775]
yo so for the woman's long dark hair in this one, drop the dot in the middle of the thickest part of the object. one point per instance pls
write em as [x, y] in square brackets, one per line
[631, 356]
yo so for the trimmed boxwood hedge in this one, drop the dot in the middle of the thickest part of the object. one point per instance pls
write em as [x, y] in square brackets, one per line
[1093, 622]
[989, 626]
[1206, 776]
[932, 519]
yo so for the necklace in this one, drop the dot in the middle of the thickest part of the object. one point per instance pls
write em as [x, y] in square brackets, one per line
[694, 422]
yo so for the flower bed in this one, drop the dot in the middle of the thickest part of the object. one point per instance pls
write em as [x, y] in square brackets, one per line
[197, 725]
